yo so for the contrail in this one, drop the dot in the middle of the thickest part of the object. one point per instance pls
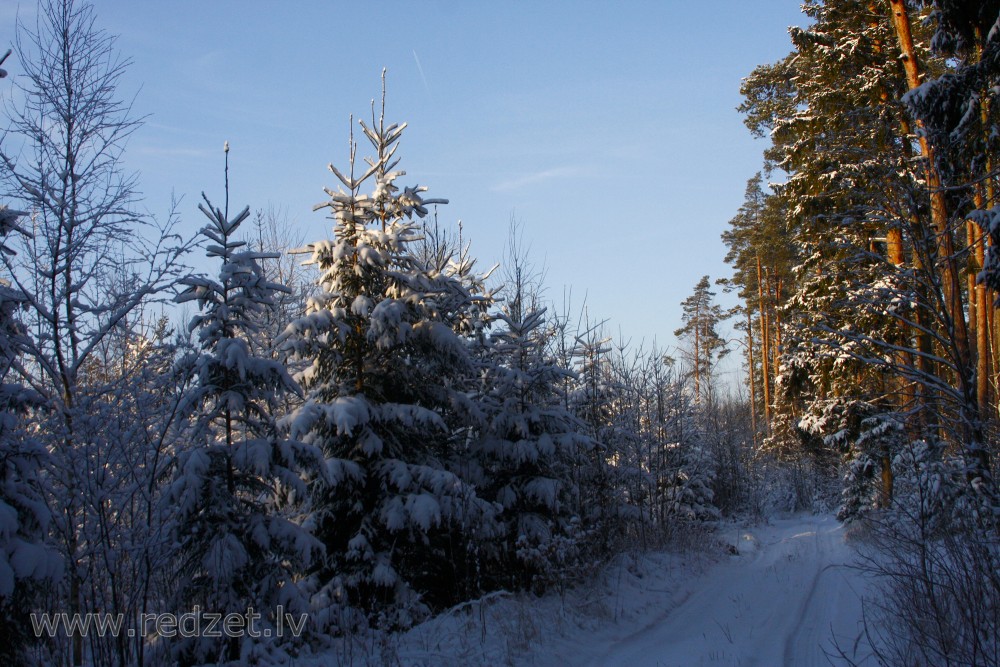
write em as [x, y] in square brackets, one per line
[421, 70]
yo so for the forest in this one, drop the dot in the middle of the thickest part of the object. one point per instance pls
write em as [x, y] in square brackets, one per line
[358, 433]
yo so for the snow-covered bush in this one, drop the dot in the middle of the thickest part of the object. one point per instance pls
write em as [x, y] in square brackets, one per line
[869, 465]
[26, 560]
[936, 556]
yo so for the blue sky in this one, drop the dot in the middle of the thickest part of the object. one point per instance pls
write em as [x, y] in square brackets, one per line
[607, 129]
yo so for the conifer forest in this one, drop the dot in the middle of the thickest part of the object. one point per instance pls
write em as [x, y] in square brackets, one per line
[365, 447]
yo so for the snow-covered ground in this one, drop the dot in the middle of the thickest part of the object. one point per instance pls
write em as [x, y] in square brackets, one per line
[781, 599]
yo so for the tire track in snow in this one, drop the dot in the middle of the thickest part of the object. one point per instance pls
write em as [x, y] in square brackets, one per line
[835, 587]
[790, 640]
[776, 606]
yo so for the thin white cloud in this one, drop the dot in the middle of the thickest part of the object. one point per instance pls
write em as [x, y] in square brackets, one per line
[421, 71]
[538, 177]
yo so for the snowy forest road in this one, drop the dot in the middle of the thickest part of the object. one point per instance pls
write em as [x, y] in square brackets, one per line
[784, 600]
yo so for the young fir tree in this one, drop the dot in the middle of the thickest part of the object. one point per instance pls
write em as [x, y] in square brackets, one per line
[386, 401]
[688, 493]
[594, 399]
[531, 453]
[237, 546]
[685, 471]
[624, 433]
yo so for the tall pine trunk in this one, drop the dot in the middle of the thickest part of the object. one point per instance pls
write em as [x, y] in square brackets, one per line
[750, 376]
[954, 315]
[765, 348]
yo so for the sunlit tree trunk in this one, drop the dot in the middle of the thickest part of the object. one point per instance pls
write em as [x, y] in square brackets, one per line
[765, 356]
[946, 261]
[750, 376]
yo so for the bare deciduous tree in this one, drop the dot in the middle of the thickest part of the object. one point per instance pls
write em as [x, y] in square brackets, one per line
[89, 266]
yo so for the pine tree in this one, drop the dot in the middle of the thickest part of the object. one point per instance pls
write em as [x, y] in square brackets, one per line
[762, 256]
[870, 294]
[959, 116]
[704, 346]
[238, 546]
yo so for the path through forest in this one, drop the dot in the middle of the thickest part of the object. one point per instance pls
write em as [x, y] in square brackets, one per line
[781, 601]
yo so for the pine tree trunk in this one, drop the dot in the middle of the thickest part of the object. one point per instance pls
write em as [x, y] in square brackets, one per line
[994, 344]
[985, 332]
[776, 299]
[697, 361]
[983, 198]
[765, 349]
[750, 376]
[939, 206]
[982, 344]
[983, 305]
[904, 388]
[971, 236]
[945, 245]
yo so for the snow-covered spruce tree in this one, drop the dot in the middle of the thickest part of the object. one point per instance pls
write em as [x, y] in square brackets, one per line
[386, 398]
[685, 472]
[531, 453]
[865, 439]
[25, 558]
[688, 492]
[467, 306]
[624, 434]
[236, 545]
[596, 401]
